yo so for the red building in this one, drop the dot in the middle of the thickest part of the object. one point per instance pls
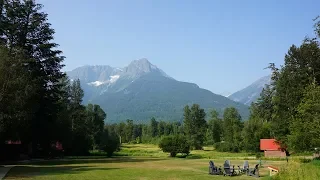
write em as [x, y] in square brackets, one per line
[271, 148]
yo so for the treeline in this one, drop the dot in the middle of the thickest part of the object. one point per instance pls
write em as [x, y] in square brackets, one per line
[129, 132]
[38, 105]
[224, 133]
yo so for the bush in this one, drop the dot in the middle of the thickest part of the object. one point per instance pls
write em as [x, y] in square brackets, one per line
[259, 155]
[110, 143]
[174, 145]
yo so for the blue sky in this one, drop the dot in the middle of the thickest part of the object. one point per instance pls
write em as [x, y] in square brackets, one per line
[221, 45]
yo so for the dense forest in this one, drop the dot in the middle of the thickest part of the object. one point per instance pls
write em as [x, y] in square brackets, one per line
[40, 106]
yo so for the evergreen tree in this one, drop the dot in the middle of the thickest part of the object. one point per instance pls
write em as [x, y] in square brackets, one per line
[317, 26]
[24, 27]
[153, 127]
[63, 121]
[162, 128]
[76, 93]
[1, 22]
[195, 125]
[15, 96]
[301, 67]
[187, 123]
[214, 128]
[95, 122]
[305, 127]
[232, 127]
[129, 130]
[255, 128]
[264, 104]
[121, 132]
[81, 139]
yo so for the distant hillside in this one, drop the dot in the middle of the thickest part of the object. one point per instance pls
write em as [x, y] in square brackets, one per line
[141, 91]
[251, 93]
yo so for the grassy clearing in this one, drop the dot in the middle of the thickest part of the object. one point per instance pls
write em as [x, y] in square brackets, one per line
[124, 168]
[148, 150]
[137, 162]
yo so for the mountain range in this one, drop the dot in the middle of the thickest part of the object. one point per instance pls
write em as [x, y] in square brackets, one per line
[141, 91]
[252, 92]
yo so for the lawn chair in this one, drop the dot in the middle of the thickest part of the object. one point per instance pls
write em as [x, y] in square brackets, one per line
[213, 170]
[227, 162]
[245, 168]
[254, 172]
[228, 171]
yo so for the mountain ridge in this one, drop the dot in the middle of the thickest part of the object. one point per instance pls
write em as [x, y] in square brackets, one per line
[252, 92]
[141, 90]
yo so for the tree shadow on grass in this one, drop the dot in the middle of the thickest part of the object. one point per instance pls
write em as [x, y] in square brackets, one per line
[194, 156]
[93, 161]
[19, 172]
[127, 146]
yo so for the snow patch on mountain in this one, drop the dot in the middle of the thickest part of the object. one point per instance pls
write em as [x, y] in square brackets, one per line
[96, 83]
[112, 79]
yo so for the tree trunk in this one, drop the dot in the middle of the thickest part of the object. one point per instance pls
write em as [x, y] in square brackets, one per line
[173, 154]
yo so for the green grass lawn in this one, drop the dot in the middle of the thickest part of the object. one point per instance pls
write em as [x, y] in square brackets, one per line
[137, 162]
[124, 168]
[149, 150]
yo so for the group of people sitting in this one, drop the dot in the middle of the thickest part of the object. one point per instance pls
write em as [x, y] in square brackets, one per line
[232, 171]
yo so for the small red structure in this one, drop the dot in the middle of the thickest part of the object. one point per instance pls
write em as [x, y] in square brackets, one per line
[13, 142]
[58, 146]
[271, 148]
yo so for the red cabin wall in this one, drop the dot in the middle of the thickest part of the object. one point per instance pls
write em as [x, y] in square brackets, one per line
[279, 153]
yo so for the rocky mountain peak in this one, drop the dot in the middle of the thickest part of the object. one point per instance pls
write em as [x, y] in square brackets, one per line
[140, 66]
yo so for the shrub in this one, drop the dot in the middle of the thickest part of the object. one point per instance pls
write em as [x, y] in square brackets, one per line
[110, 143]
[259, 155]
[174, 145]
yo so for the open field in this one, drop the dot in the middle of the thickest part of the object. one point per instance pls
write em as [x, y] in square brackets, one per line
[137, 162]
[153, 151]
[125, 168]
[149, 150]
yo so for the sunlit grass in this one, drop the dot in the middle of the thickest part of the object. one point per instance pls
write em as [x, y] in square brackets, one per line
[149, 150]
[125, 168]
[296, 171]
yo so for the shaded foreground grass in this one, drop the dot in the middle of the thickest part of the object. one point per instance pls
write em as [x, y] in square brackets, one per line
[124, 168]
